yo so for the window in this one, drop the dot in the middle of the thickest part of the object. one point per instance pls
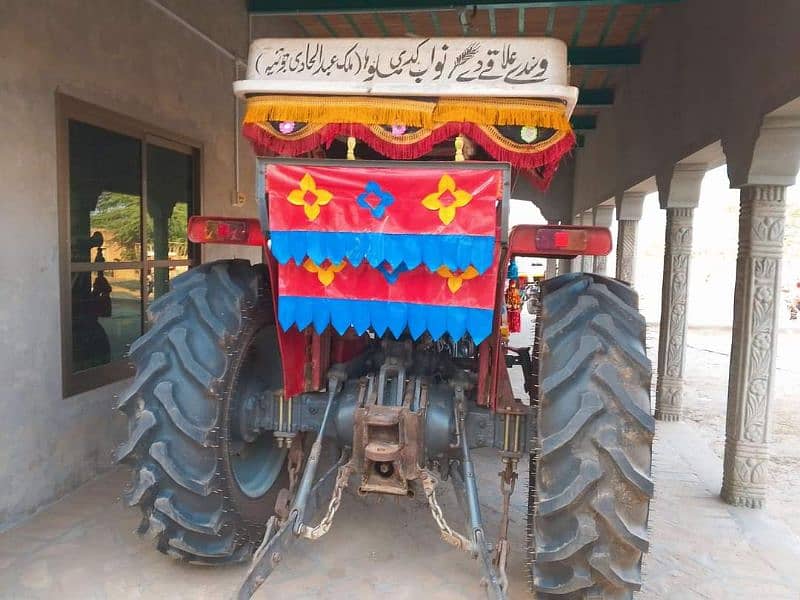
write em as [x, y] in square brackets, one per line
[126, 194]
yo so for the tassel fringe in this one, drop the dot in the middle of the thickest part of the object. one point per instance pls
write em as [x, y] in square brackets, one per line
[324, 109]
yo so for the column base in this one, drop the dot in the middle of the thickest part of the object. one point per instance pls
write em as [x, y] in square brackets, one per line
[742, 499]
[668, 416]
[669, 399]
[744, 476]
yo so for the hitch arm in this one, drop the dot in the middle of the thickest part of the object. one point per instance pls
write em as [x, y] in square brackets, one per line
[307, 499]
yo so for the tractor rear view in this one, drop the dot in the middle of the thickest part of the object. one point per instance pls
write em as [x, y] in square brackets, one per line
[370, 348]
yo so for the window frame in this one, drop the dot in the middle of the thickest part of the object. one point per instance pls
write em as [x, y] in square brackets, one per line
[69, 108]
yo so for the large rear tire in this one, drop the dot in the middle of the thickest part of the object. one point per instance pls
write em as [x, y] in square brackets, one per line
[590, 471]
[205, 491]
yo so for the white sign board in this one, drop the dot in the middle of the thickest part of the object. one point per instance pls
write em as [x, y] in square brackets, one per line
[512, 67]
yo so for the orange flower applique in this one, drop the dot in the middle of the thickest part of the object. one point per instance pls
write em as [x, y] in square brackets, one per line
[447, 199]
[325, 272]
[454, 281]
[309, 197]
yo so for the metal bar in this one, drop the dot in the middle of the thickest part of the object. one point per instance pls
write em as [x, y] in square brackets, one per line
[612, 15]
[294, 7]
[521, 20]
[551, 21]
[494, 590]
[353, 25]
[492, 21]
[605, 57]
[304, 488]
[579, 25]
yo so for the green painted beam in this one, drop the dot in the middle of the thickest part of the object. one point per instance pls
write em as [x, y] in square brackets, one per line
[381, 25]
[324, 22]
[437, 27]
[408, 25]
[612, 15]
[583, 122]
[596, 97]
[353, 25]
[605, 56]
[343, 6]
[551, 21]
[578, 26]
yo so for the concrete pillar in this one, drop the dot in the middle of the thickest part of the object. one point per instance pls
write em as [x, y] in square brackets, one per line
[752, 370]
[678, 194]
[564, 266]
[587, 262]
[629, 212]
[762, 167]
[602, 217]
[550, 268]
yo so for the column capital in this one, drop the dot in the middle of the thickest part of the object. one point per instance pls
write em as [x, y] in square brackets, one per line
[630, 205]
[603, 215]
[768, 154]
[679, 185]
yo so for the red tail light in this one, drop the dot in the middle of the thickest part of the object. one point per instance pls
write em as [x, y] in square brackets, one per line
[221, 230]
[559, 240]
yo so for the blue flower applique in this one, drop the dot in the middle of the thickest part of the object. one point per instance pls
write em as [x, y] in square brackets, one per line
[384, 199]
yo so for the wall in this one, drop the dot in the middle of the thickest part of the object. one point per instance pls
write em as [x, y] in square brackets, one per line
[130, 57]
[710, 69]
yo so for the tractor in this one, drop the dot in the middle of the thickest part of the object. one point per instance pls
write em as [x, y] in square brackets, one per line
[369, 348]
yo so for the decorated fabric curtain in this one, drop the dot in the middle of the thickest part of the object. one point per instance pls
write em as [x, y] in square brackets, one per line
[530, 134]
[385, 248]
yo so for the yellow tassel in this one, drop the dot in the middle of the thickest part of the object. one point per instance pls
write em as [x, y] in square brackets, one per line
[342, 109]
[503, 111]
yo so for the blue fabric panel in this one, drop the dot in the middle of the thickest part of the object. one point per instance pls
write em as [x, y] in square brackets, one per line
[457, 252]
[394, 316]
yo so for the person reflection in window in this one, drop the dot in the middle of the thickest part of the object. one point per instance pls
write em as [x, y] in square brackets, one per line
[90, 301]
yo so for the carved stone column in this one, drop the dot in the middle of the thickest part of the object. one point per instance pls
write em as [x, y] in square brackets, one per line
[629, 212]
[679, 194]
[674, 294]
[755, 311]
[603, 216]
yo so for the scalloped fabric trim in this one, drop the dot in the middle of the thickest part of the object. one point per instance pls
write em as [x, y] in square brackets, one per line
[379, 315]
[456, 252]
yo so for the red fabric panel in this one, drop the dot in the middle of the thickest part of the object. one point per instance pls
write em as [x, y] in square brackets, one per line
[419, 286]
[405, 214]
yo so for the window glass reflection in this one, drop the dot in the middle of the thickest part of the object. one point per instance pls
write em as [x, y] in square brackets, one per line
[107, 320]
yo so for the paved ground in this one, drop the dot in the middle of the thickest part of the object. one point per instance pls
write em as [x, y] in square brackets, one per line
[83, 546]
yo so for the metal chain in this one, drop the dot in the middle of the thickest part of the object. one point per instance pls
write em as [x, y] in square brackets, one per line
[429, 484]
[342, 477]
[508, 481]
